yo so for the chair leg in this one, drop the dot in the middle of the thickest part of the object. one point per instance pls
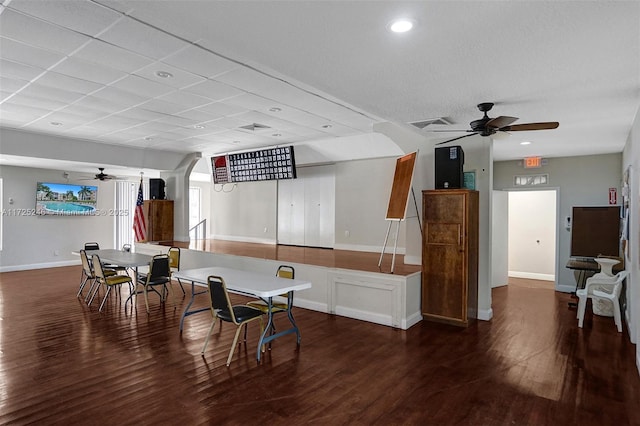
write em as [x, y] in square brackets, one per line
[104, 299]
[146, 298]
[206, 340]
[184, 293]
[82, 284]
[582, 305]
[233, 346]
[616, 315]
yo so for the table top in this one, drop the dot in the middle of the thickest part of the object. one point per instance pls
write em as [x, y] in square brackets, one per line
[121, 258]
[254, 283]
[592, 265]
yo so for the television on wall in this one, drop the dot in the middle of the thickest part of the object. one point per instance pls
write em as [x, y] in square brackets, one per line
[64, 199]
[595, 231]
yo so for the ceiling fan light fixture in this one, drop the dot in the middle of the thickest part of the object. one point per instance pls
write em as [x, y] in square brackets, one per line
[401, 25]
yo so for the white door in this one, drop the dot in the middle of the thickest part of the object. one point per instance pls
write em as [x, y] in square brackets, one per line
[306, 212]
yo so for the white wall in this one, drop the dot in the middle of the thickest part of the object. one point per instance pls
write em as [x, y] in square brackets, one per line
[631, 158]
[500, 239]
[45, 241]
[581, 181]
[532, 234]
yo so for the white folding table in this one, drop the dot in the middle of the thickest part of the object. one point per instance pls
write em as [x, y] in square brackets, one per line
[249, 283]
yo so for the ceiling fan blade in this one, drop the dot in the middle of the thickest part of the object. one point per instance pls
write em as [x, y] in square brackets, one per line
[531, 126]
[449, 130]
[499, 122]
[455, 139]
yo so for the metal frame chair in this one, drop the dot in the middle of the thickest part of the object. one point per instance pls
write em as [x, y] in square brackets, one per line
[174, 264]
[88, 275]
[222, 308]
[283, 271]
[108, 281]
[159, 275]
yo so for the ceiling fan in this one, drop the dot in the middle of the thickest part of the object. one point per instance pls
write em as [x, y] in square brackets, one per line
[102, 175]
[487, 126]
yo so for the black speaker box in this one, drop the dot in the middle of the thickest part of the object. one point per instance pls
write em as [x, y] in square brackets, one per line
[156, 189]
[449, 165]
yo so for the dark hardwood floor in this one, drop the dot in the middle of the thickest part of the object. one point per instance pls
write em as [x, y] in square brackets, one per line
[64, 363]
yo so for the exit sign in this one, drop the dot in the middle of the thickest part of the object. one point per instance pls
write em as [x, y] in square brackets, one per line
[532, 162]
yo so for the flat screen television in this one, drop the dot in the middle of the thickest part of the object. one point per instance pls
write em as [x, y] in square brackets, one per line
[265, 164]
[595, 231]
[64, 199]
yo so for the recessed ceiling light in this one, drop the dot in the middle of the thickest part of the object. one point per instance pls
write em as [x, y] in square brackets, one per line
[275, 109]
[401, 25]
[148, 138]
[327, 126]
[164, 74]
[236, 142]
[56, 123]
[525, 143]
[276, 134]
[199, 126]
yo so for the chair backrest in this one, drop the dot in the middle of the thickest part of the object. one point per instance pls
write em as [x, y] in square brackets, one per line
[619, 280]
[159, 268]
[219, 296]
[97, 268]
[126, 247]
[91, 246]
[174, 257]
[286, 271]
[86, 266]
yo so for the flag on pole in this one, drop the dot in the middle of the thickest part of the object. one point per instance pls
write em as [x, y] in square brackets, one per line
[139, 224]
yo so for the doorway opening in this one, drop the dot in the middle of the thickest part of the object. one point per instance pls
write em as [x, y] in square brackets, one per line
[533, 239]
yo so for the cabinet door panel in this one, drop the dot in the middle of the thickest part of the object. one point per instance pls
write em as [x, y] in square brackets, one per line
[444, 292]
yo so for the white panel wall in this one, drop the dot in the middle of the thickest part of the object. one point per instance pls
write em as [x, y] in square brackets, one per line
[500, 239]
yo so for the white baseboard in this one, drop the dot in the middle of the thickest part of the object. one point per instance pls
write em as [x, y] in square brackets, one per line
[532, 276]
[564, 288]
[485, 314]
[370, 249]
[364, 315]
[411, 321]
[244, 239]
[40, 265]
[311, 305]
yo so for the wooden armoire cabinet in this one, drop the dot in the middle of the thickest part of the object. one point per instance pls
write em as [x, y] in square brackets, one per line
[450, 256]
[159, 217]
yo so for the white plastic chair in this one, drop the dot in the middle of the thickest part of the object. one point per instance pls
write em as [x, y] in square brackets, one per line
[602, 287]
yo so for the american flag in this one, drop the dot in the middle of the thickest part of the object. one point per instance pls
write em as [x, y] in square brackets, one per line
[139, 225]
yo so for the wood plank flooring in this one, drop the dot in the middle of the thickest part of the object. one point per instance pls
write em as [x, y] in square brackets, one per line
[64, 363]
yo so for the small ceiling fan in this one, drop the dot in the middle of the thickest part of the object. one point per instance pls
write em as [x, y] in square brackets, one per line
[487, 126]
[102, 175]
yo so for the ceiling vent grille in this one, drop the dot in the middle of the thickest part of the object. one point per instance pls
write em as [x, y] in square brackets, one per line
[255, 126]
[431, 121]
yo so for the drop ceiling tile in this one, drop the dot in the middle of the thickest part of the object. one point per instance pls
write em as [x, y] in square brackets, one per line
[71, 84]
[30, 101]
[198, 116]
[11, 85]
[119, 97]
[99, 104]
[142, 39]
[199, 61]
[115, 122]
[89, 71]
[10, 111]
[143, 87]
[160, 106]
[112, 56]
[83, 111]
[18, 71]
[271, 121]
[38, 33]
[178, 121]
[222, 109]
[78, 15]
[28, 55]
[179, 78]
[46, 92]
[185, 99]
[250, 101]
[214, 90]
[155, 127]
[143, 114]
[229, 123]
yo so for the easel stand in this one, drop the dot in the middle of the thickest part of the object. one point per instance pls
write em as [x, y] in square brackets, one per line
[395, 244]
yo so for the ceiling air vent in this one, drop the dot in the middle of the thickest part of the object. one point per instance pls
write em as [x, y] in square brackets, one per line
[255, 126]
[424, 123]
